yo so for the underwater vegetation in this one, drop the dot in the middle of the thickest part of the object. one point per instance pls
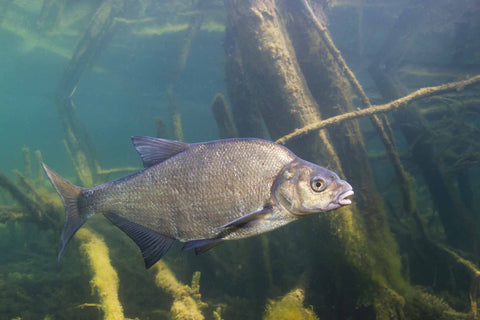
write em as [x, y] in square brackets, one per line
[289, 307]
[384, 92]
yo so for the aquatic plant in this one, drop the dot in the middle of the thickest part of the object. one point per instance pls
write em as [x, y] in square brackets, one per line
[187, 303]
[289, 307]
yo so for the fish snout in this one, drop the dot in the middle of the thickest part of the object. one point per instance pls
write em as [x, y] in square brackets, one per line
[346, 191]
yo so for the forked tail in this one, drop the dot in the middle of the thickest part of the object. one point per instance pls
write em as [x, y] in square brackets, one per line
[75, 216]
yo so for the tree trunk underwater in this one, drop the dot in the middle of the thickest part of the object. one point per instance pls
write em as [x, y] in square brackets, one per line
[278, 34]
[297, 77]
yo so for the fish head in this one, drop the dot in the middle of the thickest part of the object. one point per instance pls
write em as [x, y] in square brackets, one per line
[303, 188]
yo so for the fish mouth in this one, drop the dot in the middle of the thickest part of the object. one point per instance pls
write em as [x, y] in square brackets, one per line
[343, 198]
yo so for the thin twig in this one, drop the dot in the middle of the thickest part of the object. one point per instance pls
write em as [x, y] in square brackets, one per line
[419, 94]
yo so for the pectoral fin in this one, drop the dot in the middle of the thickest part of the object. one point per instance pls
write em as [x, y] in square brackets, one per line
[152, 244]
[202, 245]
[249, 218]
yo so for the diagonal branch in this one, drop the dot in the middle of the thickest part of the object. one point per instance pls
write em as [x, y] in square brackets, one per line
[402, 102]
[380, 123]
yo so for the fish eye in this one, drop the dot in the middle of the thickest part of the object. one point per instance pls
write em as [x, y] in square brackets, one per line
[318, 184]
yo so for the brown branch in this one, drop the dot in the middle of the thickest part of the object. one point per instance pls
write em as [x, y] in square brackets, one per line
[32, 206]
[474, 273]
[39, 211]
[85, 305]
[26, 186]
[402, 102]
[323, 32]
[11, 213]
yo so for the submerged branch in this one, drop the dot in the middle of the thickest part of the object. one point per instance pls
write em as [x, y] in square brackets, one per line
[37, 208]
[323, 32]
[380, 123]
[86, 305]
[187, 302]
[474, 273]
[402, 102]
[33, 208]
[105, 277]
[101, 171]
[12, 213]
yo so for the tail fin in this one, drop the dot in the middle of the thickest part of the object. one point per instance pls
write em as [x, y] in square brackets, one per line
[75, 217]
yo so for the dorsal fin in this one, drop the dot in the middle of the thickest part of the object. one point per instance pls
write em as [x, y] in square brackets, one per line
[156, 150]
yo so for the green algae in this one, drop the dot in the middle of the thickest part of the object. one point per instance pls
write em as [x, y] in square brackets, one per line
[289, 307]
[105, 279]
[187, 303]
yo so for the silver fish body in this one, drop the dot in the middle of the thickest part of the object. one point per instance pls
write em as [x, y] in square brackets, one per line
[204, 194]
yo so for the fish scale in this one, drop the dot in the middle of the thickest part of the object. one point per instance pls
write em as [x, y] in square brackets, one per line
[204, 194]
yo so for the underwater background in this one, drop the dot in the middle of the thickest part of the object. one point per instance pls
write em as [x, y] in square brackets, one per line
[79, 78]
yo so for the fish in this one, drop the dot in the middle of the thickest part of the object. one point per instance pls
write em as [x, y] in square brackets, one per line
[203, 194]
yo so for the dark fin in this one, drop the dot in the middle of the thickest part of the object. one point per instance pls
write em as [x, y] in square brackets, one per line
[74, 216]
[156, 150]
[202, 245]
[248, 218]
[152, 245]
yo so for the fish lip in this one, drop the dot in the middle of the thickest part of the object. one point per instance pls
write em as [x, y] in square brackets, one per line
[343, 198]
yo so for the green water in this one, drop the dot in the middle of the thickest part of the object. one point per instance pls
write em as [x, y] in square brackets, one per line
[127, 83]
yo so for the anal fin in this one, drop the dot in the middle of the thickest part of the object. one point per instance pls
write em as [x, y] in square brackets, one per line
[152, 244]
